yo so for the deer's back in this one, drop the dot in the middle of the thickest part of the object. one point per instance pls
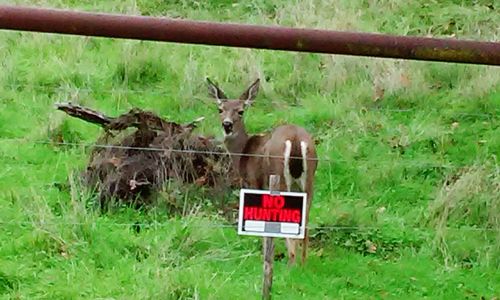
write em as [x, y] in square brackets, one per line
[266, 154]
[293, 133]
[275, 148]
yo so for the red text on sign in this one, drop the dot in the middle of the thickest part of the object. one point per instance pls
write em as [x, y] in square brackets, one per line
[271, 214]
[273, 201]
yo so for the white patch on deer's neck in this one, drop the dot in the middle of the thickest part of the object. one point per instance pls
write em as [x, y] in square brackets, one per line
[235, 141]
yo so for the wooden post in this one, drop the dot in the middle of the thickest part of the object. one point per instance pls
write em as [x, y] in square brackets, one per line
[268, 243]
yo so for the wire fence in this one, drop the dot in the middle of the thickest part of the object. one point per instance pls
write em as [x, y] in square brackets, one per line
[412, 163]
[157, 224]
[186, 151]
[166, 224]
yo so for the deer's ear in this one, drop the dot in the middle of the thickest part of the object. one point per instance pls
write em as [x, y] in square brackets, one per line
[215, 92]
[249, 95]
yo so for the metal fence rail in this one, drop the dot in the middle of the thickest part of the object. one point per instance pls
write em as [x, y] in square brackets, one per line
[249, 36]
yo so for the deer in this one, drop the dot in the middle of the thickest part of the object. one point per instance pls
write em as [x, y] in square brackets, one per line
[287, 150]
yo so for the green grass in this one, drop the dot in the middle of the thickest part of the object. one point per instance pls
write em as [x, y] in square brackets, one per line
[414, 174]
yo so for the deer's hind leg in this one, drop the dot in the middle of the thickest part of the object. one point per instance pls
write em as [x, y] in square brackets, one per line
[291, 244]
[281, 166]
[306, 184]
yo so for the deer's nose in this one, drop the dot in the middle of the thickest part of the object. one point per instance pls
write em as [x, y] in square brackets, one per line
[227, 125]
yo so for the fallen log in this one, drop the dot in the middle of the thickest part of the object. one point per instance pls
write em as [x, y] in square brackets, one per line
[136, 164]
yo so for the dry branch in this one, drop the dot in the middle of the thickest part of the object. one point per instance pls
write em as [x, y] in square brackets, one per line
[86, 114]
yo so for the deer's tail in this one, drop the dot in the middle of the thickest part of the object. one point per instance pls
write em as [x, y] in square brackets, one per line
[295, 159]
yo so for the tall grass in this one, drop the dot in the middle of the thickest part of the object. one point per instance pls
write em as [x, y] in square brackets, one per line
[406, 191]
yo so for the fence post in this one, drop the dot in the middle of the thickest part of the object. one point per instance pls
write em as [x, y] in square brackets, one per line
[268, 243]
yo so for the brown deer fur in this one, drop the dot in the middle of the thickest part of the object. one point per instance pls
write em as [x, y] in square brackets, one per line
[287, 151]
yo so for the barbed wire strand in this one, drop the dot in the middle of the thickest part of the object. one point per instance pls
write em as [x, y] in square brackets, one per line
[193, 151]
[186, 151]
[222, 226]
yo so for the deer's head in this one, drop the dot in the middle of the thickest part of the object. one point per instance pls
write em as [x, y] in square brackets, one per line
[231, 110]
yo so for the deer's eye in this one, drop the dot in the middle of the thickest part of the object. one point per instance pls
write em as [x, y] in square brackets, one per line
[241, 112]
[220, 110]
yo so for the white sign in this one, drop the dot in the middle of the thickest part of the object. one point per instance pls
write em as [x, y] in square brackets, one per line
[277, 214]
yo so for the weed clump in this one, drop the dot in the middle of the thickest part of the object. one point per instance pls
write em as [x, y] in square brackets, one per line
[468, 199]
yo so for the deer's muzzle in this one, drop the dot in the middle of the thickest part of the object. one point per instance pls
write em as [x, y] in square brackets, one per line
[228, 126]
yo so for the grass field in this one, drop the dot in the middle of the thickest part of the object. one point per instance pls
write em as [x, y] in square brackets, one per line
[408, 186]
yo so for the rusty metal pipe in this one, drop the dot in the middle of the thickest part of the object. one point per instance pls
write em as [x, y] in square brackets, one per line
[249, 36]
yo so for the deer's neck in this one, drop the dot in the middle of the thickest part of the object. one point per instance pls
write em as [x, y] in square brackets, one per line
[236, 143]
